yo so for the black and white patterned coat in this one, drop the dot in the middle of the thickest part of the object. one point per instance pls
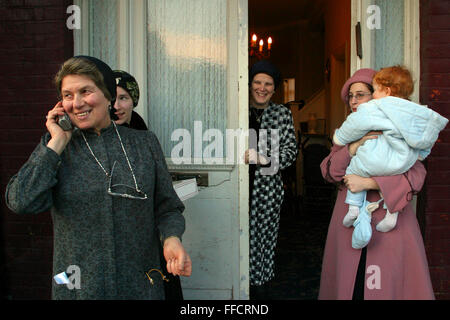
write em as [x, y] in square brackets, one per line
[267, 192]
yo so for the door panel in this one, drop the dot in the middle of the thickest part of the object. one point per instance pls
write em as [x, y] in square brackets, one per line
[388, 40]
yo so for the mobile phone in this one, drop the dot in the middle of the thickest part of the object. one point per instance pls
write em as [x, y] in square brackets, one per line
[64, 122]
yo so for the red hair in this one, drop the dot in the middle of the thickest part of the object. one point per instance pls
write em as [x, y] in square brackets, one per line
[398, 79]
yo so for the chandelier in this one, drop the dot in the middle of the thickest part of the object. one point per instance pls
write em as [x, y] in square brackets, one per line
[258, 50]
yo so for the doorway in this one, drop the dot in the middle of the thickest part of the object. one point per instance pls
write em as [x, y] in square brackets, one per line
[309, 44]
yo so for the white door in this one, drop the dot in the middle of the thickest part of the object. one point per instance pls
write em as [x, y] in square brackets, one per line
[390, 35]
[191, 62]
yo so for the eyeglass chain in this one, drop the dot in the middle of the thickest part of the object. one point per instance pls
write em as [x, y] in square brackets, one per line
[123, 149]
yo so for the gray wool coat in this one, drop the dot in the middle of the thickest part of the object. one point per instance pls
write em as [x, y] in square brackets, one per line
[111, 239]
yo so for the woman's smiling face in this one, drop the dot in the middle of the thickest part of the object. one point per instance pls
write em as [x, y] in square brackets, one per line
[262, 90]
[85, 103]
[123, 106]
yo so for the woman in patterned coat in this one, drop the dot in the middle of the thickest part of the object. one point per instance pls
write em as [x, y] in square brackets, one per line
[109, 192]
[275, 148]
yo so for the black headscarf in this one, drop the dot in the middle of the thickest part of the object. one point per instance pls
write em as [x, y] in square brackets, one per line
[108, 79]
[127, 82]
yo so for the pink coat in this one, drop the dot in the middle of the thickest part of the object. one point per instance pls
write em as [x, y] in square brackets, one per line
[396, 265]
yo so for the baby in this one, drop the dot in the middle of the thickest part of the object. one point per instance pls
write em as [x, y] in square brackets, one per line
[409, 131]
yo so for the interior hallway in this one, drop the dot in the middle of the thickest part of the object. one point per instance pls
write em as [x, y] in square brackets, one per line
[299, 252]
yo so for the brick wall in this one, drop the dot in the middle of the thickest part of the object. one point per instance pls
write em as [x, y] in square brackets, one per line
[34, 41]
[435, 92]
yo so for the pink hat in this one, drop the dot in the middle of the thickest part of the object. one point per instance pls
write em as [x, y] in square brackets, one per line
[364, 75]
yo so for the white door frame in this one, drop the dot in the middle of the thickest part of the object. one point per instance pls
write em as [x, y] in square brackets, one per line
[243, 176]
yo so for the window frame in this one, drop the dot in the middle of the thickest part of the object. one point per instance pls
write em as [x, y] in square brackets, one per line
[132, 56]
[411, 27]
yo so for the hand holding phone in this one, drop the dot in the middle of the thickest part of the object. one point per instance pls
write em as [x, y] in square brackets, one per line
[60, 128]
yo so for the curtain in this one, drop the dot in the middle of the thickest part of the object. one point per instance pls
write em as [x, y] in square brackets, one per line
[389, 40]
[103, 30]
[187, 67]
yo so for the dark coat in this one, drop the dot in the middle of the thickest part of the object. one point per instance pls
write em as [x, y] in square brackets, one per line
[112, 240]
[173, 290]
[136, 122]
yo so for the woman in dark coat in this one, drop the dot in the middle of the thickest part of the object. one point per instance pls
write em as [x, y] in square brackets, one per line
[275, 150]
[127, 100]
[109, 191]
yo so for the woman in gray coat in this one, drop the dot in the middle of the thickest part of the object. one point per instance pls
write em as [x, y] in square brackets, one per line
[109, 191]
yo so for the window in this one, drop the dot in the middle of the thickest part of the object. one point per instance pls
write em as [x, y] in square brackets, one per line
[390, 35]
[187, 67]
[176, 49]
[388, 40]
